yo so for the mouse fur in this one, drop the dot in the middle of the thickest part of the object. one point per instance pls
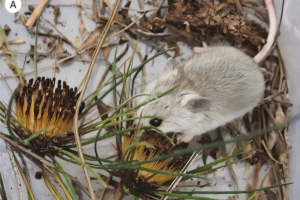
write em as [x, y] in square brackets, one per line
[218, 85]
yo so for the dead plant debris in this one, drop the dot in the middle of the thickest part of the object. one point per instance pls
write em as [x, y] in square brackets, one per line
[195, 23]
[217, 22]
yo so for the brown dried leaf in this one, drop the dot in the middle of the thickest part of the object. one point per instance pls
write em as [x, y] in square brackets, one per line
[92, 39]
[271, 195]
[256, 174]
[23, 19]
[103, 109]
[30, 8]
[6, 29]
[56, 13]
[17, 41]
[173, 44]
[82, 28]
[56, 69]
[11, 66]
[102, 7]
[249, 187]
[287, 101]
[60, 49]
[124, 12]
[91, 51]
[205, 138]
[247, 171]
[283, 156]
[230, 167]
[31, 54]
[122, 15]
[213, 152]
[95, 11]
[51, 46]
[109, 194]
[287, 176]
[118, 192]
[280, 117]
[36, 13]
[272, 138]
[107, 49]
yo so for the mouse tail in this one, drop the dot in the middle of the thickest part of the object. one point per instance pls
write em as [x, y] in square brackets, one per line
[264, 52]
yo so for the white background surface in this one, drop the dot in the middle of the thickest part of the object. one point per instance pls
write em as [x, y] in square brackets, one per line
[74, 71]
[289, 43]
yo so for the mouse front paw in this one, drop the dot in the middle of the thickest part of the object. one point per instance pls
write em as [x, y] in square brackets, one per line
[183, 138]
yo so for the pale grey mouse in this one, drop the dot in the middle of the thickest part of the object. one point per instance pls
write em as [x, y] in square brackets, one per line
[218, 85]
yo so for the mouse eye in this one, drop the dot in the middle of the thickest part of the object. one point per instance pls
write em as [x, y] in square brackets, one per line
[155, 122]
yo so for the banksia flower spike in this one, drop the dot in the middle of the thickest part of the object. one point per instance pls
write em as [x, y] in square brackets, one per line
[39, 105]
[152, 145]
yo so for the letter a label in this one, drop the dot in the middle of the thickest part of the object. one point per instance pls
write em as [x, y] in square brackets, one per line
[13, 6]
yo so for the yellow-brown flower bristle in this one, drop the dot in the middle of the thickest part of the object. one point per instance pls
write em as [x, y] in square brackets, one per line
[157, 145]
[38, 106]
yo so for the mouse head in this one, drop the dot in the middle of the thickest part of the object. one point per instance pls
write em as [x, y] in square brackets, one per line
[177, 111]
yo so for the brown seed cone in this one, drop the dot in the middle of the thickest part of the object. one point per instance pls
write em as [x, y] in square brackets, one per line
[38, 106]
[152, 145]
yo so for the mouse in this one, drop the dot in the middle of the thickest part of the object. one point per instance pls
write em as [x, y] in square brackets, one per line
[216, 85]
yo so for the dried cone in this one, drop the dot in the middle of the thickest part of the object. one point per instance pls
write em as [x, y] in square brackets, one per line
[38, 106]
[154, 145]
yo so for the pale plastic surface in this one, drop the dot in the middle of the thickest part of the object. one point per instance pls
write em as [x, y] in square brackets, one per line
[72, 73]
[289, 42]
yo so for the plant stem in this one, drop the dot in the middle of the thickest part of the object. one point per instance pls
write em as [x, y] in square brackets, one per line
[88, 75]
[13, 57]
[35, 48]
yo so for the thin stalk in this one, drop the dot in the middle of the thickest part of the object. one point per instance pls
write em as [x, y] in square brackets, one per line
[8, 117]
[60, 183]
[35, 47]
[2, 189]
[88, 75]
[89, 157]
[12, 56]
[28, 152]
[83, 164]
[27, 184]
[130, 110]
[214, 144]
[224, 192]
[131, 72]
[50, 185]
[15, 168]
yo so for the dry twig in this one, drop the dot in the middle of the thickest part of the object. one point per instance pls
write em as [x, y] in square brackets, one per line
[36, 13]
[88, 75]
[14, 144]
[15, 169]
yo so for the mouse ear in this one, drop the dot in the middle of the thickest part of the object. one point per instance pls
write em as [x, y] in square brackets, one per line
[194, 102]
